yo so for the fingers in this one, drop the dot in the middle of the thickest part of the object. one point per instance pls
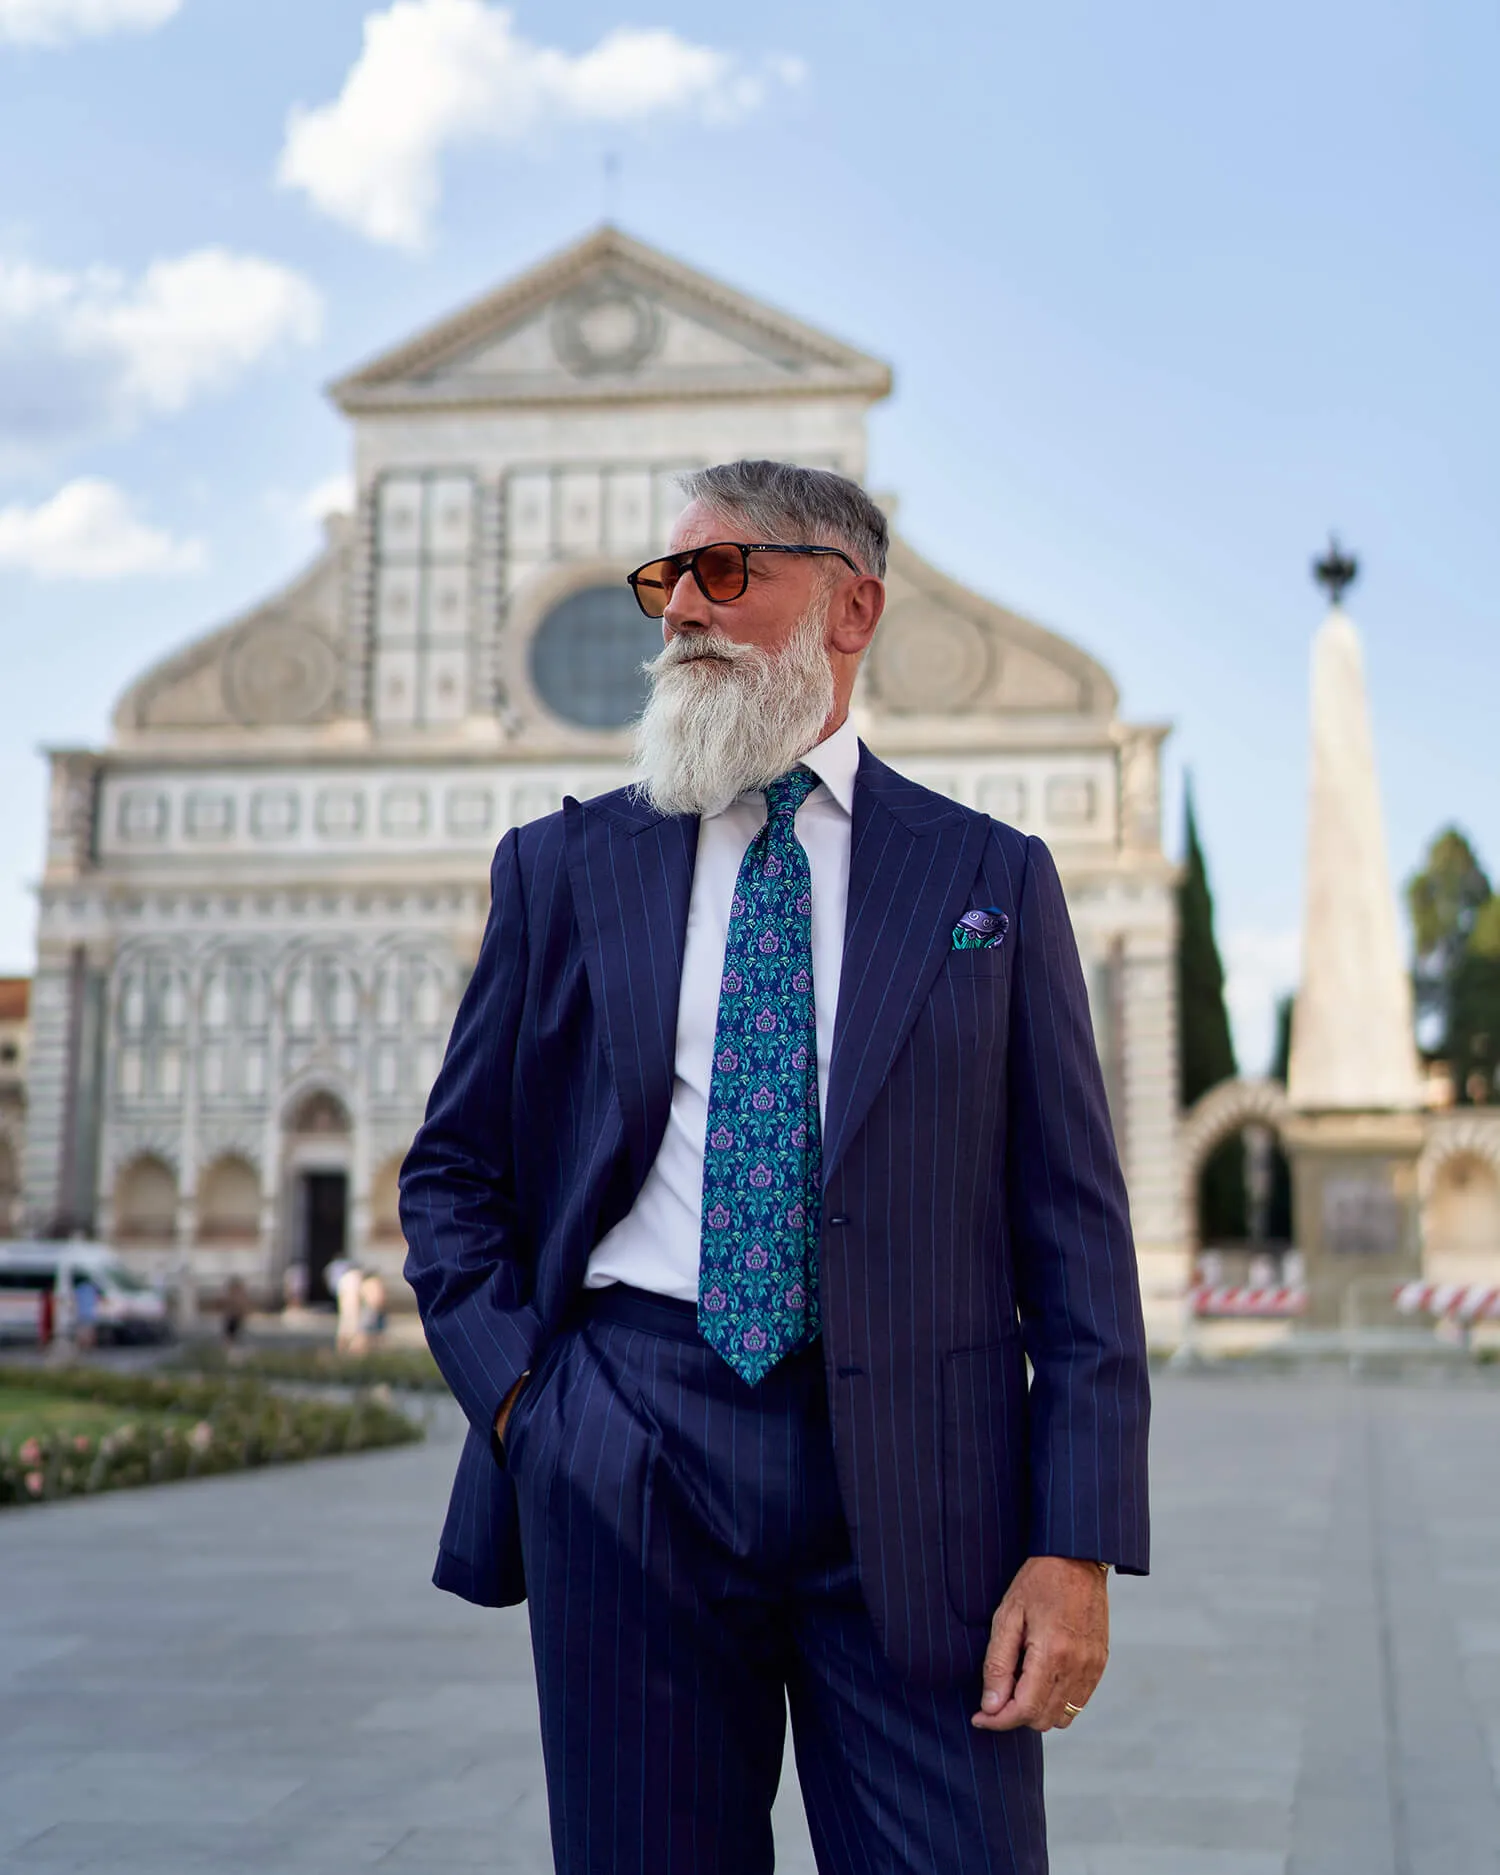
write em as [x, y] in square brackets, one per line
[1056, 1671]
[1003, 1656]
[1031, 1698]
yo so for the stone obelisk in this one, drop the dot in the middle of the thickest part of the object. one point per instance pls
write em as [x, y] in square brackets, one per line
[1353, 1081]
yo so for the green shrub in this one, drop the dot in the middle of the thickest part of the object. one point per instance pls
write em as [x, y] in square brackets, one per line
[187, 1427]
[412, 1369]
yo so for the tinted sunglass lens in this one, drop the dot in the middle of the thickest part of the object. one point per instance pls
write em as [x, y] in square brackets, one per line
[721, 572]
[653, 586]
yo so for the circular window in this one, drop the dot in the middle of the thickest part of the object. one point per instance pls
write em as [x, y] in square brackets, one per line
[587, 655]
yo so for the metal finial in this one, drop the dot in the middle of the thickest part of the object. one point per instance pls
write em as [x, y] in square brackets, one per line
[1337, 570]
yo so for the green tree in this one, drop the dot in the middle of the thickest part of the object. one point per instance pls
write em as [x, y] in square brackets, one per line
[1279, 1204]
[1456, 923]
[1444, 899]
[1205, 1044]
[1473, 1038]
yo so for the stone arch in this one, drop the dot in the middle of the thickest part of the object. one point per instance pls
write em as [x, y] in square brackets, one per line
[1458, 1181]
[1466, 1137]
[145, 1200]
[229, 1201]
[317, 1109]
[1217, 1115]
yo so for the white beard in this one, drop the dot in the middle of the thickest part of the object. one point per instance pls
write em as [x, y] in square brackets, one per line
[724, 718]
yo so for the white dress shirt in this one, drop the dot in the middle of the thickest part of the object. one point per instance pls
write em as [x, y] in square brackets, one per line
[655, 1245]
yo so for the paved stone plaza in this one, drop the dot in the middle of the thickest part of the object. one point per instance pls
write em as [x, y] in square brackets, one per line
[251, 1673]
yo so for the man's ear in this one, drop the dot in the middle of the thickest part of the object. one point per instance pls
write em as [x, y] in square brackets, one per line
[855, 614]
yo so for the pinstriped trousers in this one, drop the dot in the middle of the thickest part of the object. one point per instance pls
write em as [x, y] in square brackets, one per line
[689, 1575]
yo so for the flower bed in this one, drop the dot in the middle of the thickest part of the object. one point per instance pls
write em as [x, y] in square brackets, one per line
[170, 1426]
[412, 1369]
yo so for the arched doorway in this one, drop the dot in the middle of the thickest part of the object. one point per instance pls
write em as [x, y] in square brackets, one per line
[1461, 1212]
[145, 1202]
[1255, 1112]
[319, 1141]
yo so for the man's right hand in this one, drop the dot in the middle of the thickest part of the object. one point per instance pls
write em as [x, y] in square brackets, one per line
[502, 1417]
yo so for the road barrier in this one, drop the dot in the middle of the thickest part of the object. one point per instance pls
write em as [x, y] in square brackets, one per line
[1276, 1304]
[1463, 1302]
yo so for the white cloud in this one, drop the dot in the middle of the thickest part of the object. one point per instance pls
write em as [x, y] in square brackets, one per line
[59, 22]
[333, 495]
[82, 350]
[438, 72]
[89, 530]
[1260, 967]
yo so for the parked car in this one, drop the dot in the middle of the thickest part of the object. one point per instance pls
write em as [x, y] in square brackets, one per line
[128, 1308]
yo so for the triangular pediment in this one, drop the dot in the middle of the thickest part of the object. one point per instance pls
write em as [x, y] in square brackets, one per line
[276, 666]
[943, 652]
[610, 319]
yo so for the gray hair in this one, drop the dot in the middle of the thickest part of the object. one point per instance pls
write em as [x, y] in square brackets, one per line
[790, 505]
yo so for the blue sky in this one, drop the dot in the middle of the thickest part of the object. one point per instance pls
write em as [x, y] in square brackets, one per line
[1168, 292]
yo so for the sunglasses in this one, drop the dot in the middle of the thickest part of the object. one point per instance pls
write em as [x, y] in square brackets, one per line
[721, 571]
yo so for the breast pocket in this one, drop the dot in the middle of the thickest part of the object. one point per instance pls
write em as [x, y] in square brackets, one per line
[984, 1479]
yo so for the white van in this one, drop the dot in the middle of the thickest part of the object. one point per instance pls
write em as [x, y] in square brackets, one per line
[128, 1309]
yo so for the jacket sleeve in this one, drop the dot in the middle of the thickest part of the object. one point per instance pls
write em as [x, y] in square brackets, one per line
[467, 1256]
[1078, 1288]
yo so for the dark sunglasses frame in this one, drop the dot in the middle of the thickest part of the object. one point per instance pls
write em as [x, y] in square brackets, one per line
[688, 563]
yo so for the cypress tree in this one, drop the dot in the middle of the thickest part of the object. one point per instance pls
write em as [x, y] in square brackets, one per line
[1205, 1045]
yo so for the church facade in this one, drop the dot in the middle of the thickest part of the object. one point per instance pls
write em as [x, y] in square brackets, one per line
[263, 895]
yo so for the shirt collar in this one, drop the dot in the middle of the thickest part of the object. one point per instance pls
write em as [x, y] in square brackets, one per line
[835, 762]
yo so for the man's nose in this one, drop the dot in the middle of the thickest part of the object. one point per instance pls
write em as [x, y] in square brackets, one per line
[687, 609]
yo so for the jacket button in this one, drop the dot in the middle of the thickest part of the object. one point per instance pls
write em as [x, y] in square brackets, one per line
[839, 1218]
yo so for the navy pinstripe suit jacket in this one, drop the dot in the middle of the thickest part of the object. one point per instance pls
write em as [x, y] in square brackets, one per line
[974, 1210]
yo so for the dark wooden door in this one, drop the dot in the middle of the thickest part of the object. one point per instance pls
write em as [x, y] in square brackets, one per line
[327, 1208]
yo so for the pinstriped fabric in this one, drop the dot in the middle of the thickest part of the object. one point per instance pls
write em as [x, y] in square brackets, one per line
[692, 1577]
[973, 1200]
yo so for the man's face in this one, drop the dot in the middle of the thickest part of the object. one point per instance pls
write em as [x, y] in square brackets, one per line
[782, 587]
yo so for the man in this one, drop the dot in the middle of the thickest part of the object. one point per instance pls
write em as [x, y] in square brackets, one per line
[769, 1146]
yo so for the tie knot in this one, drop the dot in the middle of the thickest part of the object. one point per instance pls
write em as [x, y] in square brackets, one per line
[787, 793]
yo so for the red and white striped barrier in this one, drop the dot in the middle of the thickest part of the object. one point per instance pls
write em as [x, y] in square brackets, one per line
[1469, 1302]
[1269, 1304]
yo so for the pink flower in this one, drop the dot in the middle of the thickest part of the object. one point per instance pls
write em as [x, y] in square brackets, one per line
[762, 1100]
[201, 1437]
[714, 1300]
[796, 1217]
[765, 1021]
[727, 1061]
[796, 1297]
[718, 1218]
[756, 1258]
[34, 1482]
[754, 1339]
[721, 1139]
[759, 1176]
[31, 1452]
[766, 942]
[733, 982]
[802, 983]
[80, 1442]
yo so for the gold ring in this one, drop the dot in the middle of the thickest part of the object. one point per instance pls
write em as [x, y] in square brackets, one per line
[1071, 1710]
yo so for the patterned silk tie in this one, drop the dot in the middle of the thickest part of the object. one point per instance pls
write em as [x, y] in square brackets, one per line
[763, 1156]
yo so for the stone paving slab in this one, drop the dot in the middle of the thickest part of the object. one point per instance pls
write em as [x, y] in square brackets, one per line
[252, 1673]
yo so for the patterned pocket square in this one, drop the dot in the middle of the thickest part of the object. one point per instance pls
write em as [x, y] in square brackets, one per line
[982, 929]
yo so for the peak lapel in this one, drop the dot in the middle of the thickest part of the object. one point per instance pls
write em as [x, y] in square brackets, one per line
[912, 861]
[631, 872]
